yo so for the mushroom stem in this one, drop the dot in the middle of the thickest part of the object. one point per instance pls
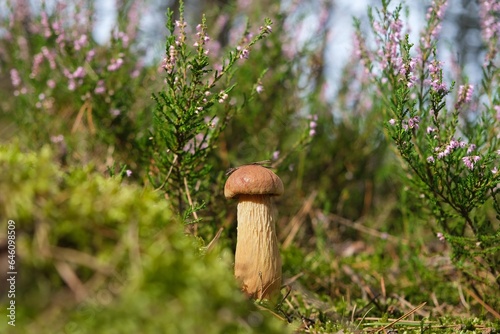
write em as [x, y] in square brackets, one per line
[257, 260]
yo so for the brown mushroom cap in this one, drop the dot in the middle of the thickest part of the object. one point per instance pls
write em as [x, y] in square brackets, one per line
[253, 180]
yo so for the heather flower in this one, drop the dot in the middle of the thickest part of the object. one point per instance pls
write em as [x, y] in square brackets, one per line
[434, 16]
[392, 121]
[44, 20]
[79, 73]
[276, 155]
[413, 122]
[222, 97]
[80, 42]
[72, 85]
[123, 37]
[440, 236]
[244, 53]
[90, 55]
[57, 139]
[115, 112]
[430, 130]
[469, 161]
[50, 56]
[489, 12]
[212, 123]
[464, 95]
[115, 64]
[15, 78]
[37, 61]
[169, 62]
[471, 148]
[430, 159]
[454, 144]
[259, 88]
[128, 172]
[497, 109]
[100, 89]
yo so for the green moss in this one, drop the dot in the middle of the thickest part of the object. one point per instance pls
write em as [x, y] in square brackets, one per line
[134, 270]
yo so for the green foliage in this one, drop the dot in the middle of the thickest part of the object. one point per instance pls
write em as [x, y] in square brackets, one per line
[112, 255]
[451, 158]
[186, 124]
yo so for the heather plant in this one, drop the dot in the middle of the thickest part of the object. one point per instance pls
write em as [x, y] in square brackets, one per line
[67, 88]
[446, 134]
[187, 120]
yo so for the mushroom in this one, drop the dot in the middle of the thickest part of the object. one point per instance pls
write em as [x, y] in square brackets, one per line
[257, 263]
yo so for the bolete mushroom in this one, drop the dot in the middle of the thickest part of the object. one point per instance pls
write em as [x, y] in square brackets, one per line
[257, 263]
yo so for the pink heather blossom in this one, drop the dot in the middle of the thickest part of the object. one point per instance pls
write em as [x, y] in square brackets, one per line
[430, 130]
[464, 95]
[489, 21]
[211, 122]
[222, 97]
[15, 78]
[440, 236]
[468, 94]
[90, 55]
[51, 84]
[44, 20]
[72, 85]
[100, 89]
[494, 170]
[50, 56]
[430, 159]
[469, 161]
[37, 61]
[128, 172]
[80, 42]
[471, 148]
[454, 144]
[276, 155]
[436, 80]
[79, 73]
[57, 139]
[115, 112]
[259, 88]
[413, 122]
[244, 53]
[123, 37]
[392, 121]
[168, 62]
